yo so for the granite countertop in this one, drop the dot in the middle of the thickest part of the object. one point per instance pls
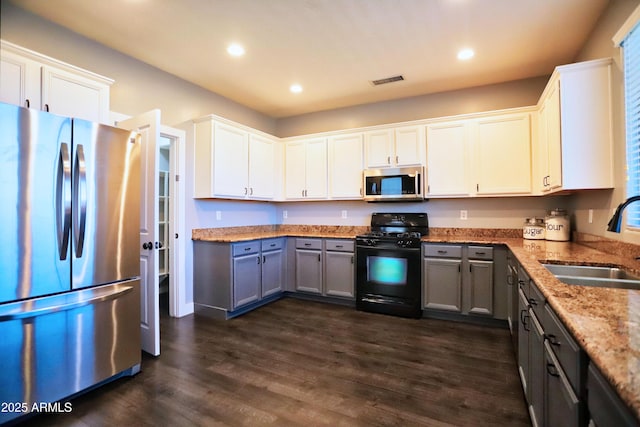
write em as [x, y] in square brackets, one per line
[604, 321]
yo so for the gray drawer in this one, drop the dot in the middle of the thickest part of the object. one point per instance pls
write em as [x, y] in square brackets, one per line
[443, 251]
[339, 245]
[272, 244]
[309, 244]
[246, 248]
[572, 359]
[480, 252]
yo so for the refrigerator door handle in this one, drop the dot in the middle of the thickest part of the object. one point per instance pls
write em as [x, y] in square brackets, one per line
[80, 200]
[19, 310]
[63, 200]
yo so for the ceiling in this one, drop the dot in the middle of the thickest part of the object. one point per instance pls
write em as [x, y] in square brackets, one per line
[334, 48]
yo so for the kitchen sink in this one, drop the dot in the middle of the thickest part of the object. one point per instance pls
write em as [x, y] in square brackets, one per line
[598, 276]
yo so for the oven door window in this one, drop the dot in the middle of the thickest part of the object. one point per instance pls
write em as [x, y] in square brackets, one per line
[384, 270]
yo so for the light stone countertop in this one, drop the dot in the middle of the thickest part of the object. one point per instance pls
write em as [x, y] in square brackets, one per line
[604, 321]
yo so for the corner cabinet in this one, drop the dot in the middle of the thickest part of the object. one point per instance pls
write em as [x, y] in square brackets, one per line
[396, 147]
[480, 156]
[306, 169]
[29, 79]
[575, 145]
[232, 162]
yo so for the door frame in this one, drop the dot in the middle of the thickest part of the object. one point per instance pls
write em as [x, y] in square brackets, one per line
[178, 307]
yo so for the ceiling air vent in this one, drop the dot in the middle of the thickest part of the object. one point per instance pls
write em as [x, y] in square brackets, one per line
[386, 80]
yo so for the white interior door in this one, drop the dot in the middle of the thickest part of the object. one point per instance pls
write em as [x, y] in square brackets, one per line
[148, 125]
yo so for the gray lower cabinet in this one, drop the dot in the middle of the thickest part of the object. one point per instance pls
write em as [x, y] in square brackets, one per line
[339, 268]
[605, 406]
[309, 265]
[325, 267]
[230, 276]
[458, 279]
[524, 327]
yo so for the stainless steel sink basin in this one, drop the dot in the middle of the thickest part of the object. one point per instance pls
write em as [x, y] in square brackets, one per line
[588, 275]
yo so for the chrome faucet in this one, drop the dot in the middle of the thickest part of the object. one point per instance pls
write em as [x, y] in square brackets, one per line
[616, 219]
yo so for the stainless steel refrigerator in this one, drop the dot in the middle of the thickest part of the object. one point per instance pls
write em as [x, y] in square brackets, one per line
[69, 258]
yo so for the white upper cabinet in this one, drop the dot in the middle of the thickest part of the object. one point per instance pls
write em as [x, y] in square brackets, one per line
[32, 80]
[231, 162]
[306, 169]
[488, 155]
[261, 167]
[345, 166]
[447, 158]
[503, 155]
[401, 146]
[576, 131]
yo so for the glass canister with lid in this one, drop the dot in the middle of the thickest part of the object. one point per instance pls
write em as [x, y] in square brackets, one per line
[558, 227]
[533, 229]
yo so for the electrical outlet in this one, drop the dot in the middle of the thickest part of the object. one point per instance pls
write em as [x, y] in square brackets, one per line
[285, 214]
[463, 215]
[218, 215]
[590, 216]
[344, 214]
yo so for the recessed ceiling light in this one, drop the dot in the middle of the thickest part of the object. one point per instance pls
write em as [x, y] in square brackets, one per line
[295, 88]
[235, 50]
[465, 54]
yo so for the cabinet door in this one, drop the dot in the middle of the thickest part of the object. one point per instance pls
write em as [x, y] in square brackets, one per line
[447, 159]
[309, 271]
[261, 168]
[345, 167]
[523, 342]
[231, 161]
[480, 287]
[379, 148]
[561, 405]
[246, 279]
[443, 284]
[503, 155]
[536, 371]
[272, 272]
[72, 95]
[553, 138]
[295, 170]
[340, 274]
[316, 169]
[409, 145]
[19, 80]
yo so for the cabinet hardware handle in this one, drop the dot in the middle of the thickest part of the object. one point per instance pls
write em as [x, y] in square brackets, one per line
[307, 244]
[46, 107]
[272, 245]
[397, 159]
[247, 249]
[351, 259]
[388, 160]
[302, 193]
[176, 235]
[533, 301]
[477, 187]
[245, 191]
[480, 253]
[523, 319]
[510, 279]
[319, 258]
[442, 252]
[361, 191]
[251, 191]
[428, 189]
[521, 282]
[470, 268]
[459, 270]
[27, 103]
[264, 259]
[553, 340]
[339, 246]
[552, 370]
[258, 258]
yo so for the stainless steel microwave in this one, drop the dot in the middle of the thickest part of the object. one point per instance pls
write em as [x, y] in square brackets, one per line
[394, 184]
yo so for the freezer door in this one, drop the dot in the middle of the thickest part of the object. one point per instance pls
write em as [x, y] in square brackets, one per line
[106, 204]
[35, 203]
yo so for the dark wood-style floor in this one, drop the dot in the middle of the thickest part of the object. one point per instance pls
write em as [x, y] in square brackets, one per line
[301, 363]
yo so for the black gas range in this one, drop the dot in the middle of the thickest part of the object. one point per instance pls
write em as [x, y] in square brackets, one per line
[388, 264]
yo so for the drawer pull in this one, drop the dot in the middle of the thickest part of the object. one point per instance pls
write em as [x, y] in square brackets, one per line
[552, 370]
[480, 253]
[553, 340]
[523, 319]
[442, 252]
[307, 244]
[247, 249]
[339, 246]
[533, 301]
[272, 245]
